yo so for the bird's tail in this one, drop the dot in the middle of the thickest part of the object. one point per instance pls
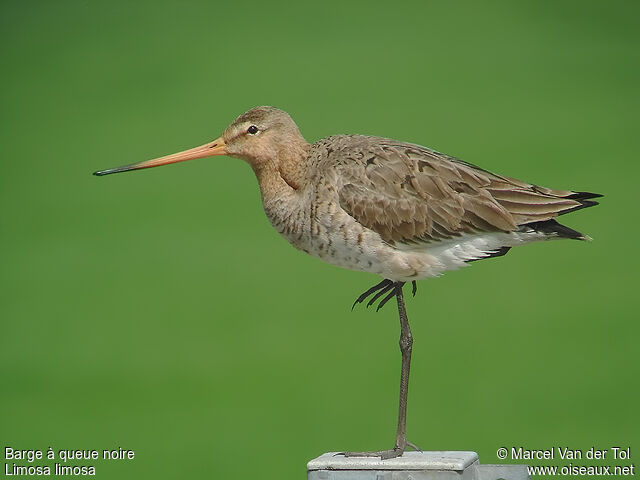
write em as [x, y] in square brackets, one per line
[585, 199]
[554, 229]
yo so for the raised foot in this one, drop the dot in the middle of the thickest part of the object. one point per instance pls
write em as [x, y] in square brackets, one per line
[384, 287]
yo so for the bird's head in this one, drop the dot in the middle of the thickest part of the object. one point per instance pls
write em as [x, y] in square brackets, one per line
[258, 136]
[261, 135]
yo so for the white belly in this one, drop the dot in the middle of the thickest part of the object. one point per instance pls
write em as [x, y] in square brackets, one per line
[364, 251]
[332, 235]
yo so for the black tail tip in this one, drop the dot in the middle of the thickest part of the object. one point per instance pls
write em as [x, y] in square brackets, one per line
[584, 196]
[553, 228]
[584, 200]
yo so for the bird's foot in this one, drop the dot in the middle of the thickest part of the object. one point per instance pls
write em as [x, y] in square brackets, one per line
[386, 286]
[414, 446]
[383, 454]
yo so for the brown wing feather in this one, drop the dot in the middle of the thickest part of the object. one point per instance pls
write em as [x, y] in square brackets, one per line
[408, 193]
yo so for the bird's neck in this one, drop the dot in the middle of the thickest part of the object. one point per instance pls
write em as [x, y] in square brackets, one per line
[287, 173]
[279, 193]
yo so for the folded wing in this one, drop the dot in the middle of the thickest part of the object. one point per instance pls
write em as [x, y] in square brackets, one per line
[411, 194]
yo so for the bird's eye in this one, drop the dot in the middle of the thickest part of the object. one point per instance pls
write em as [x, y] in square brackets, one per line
[252, 130]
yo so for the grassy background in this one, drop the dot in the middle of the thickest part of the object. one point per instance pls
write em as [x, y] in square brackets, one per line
[160, 312]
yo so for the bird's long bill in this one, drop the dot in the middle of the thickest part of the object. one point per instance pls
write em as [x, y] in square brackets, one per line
[217, 147]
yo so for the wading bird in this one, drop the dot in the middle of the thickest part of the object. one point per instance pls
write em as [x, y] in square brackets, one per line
[377, 205]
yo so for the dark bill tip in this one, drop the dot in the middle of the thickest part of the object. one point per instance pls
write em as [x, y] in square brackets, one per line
[124, 168]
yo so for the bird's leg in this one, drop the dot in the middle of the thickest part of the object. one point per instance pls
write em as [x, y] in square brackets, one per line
[406, 343]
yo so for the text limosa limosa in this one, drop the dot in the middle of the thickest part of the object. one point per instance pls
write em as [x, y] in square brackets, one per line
[377, 205]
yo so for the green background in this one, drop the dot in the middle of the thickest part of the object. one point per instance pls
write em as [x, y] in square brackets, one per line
[159, 311]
